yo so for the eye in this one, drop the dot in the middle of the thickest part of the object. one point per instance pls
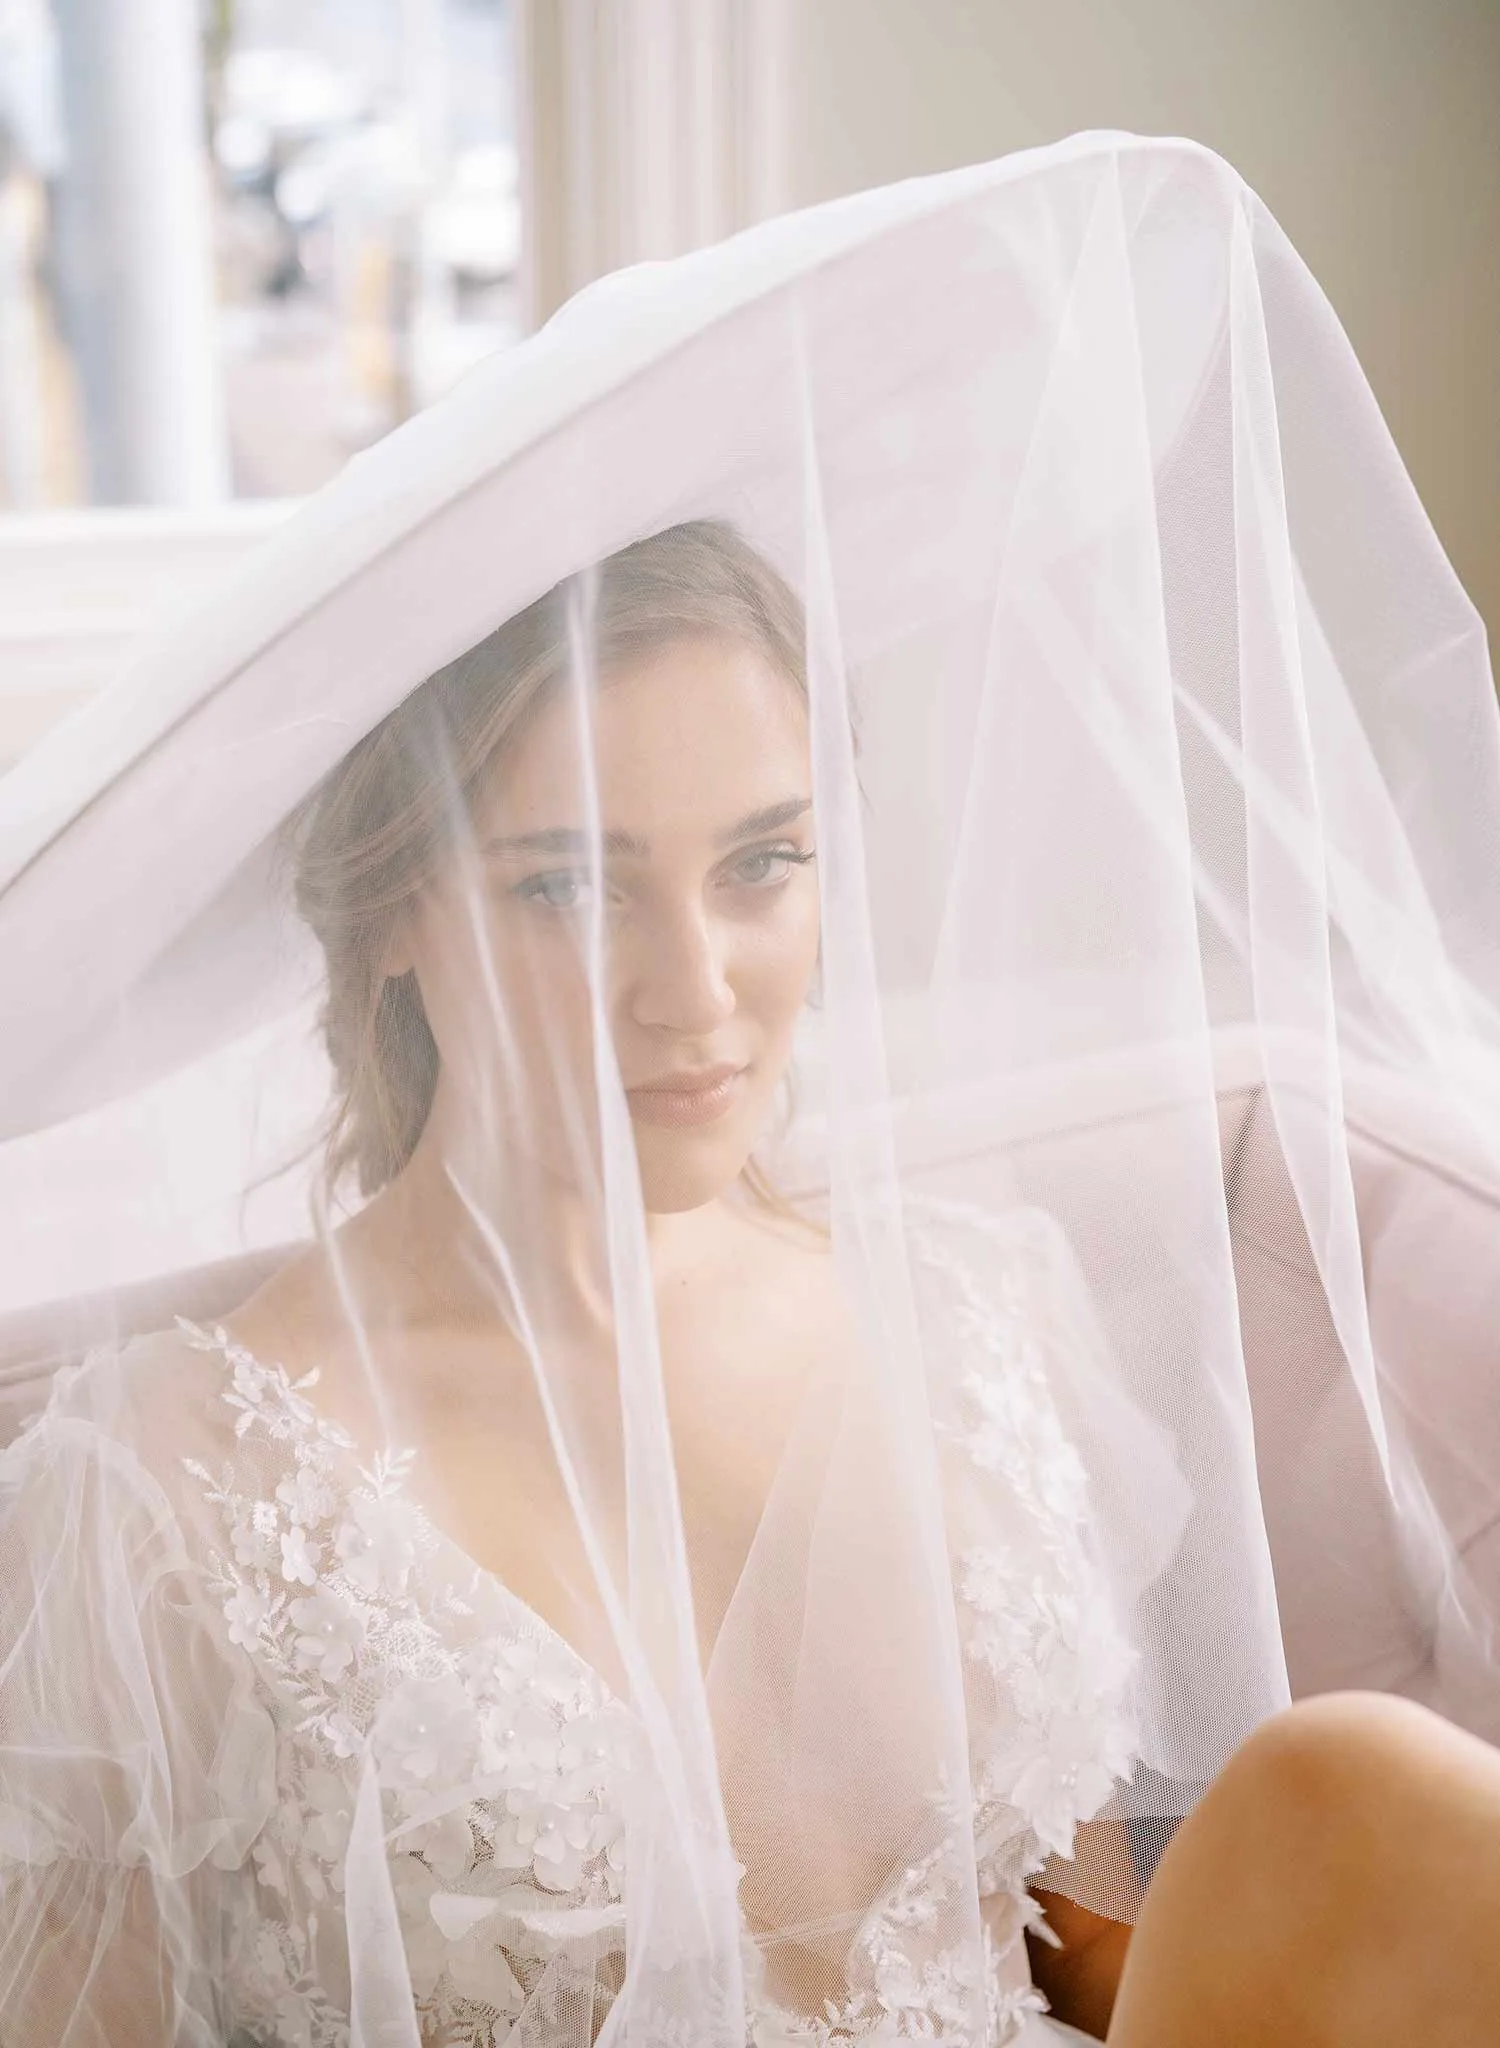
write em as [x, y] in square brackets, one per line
[763, 867]
[558, 889]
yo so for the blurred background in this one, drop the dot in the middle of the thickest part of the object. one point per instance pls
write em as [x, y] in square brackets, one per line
[242, 239]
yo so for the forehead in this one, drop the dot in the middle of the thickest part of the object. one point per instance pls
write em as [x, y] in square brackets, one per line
[684, 740]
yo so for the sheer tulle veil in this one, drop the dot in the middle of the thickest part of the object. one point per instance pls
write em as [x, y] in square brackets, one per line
[1112, 1042]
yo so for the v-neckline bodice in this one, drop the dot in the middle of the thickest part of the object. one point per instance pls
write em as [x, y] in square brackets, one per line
[306, 1420]
[375, 1635]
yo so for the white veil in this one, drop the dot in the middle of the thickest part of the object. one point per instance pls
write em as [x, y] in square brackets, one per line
[1142, 1144]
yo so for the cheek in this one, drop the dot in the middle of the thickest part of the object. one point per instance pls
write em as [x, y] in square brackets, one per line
[504, 999]
[547, 1012]
[780, 959]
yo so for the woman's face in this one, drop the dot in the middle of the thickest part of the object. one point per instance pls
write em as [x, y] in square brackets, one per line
[706, 931]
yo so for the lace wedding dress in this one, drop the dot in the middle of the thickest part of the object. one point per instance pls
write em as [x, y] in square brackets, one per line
[304, 1614]
[1142, 862]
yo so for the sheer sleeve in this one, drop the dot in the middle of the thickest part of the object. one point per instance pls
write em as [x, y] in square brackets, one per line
[1035, 1433]
[136, 1768]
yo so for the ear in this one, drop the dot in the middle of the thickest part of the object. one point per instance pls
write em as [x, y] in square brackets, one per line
[399, 954]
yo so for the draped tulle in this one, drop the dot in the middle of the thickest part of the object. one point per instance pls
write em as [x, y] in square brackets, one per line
[963, 674]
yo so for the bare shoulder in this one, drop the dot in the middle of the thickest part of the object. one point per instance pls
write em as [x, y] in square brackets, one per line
[287, 1319]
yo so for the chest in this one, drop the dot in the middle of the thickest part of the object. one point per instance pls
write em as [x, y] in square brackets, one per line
[447, 1690]
[527, 1499]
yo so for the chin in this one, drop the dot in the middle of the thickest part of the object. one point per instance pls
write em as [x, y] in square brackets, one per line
[681, 1170]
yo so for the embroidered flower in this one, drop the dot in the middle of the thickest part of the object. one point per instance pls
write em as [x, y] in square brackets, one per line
[608, 1839]
[1061, 1481]
[477, 1966]
[329, 1800]
[452, 1936]
[295, 2021]
[538, 1666]
[377, 1544]
[553, 1839]
[445, 1844]
[306, 1493]
[898, 1987]
[290, 1411]
[253, 1535]
[269, 1867]
[330, 1633]
[341, 1735]
[300, 1557]
[259, 1393]
[550, 1769]
[590, 1749]
[248, 1378]
[1055, 1776]
[427, 1728]
[264, 1959]
[245, 1610]
[987, 1578]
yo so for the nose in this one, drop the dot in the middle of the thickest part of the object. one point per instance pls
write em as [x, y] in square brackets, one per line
[677, 975]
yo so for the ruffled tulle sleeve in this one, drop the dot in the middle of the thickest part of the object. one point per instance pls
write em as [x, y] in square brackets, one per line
[136, 1767]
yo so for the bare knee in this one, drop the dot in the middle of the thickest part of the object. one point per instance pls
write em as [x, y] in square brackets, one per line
[1347, 1772]
[1340, 1880]
[1301, 1813]
[1324, 1820]
[1335, 1724]
[1349, 1821]
[1327, 1748]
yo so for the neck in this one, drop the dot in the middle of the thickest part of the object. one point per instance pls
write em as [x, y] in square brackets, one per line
[476, 1236]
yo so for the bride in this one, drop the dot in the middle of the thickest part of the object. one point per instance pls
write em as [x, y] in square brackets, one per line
[725, 1527]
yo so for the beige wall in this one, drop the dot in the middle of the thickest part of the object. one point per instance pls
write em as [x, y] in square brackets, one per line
[1370, 127]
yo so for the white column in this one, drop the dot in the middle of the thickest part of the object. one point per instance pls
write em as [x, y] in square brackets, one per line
[429, 284]
[135, 255]
[22, 414]
[648, 127]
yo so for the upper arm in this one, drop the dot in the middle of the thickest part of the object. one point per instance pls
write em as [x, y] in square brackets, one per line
[136, 1767]
[85, 1961]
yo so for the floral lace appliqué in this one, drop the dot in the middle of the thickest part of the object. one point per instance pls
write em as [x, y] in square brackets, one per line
[1047, 1668]
[497, 1754]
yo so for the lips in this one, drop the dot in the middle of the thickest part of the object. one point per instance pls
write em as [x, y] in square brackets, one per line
[678, 1100]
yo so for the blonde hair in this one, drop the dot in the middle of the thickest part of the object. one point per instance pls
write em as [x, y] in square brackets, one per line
[376, 830]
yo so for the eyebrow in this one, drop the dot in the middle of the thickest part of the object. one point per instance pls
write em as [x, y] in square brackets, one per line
[566, 839]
